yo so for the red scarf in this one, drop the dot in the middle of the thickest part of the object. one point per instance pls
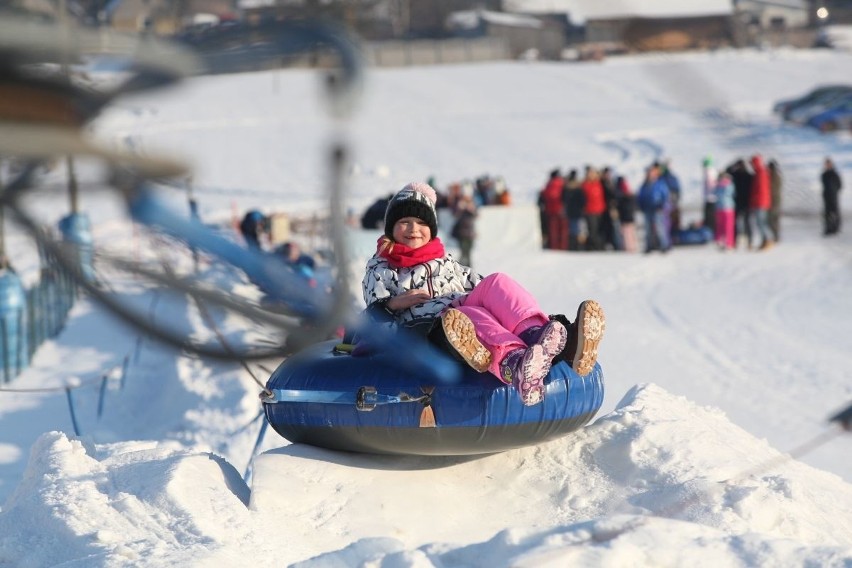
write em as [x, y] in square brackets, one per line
[400, 256]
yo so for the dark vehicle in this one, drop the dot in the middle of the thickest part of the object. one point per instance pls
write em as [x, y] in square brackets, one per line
[838, 117]
[819, 95]
[802, 114]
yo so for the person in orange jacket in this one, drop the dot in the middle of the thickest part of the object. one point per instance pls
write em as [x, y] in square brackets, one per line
[595, 208]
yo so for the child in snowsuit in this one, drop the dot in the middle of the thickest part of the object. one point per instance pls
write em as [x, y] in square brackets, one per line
[724, 206]
[492, 323]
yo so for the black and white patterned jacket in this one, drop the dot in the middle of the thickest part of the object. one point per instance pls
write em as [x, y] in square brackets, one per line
[445, 279]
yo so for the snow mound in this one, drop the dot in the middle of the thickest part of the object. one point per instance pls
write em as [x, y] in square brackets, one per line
[659, 478]
[657, 459]
[118, 503]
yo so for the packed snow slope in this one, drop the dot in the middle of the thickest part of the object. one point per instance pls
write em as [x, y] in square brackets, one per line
[716, 364]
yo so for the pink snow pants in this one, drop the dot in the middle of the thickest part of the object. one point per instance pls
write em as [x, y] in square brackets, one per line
[500, 309]
[725, 228]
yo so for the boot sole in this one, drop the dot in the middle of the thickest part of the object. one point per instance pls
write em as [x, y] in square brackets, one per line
[461, 335]
[591, 327]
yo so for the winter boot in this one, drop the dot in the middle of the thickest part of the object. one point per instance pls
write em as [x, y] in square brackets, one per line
[552, 336]
[584, 337]
[526, 369]
[461, 335]
[438, 338]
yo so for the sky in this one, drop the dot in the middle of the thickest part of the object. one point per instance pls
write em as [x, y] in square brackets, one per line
[712, 446]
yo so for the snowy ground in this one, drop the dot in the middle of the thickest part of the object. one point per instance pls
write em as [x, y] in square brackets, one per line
[716, 364]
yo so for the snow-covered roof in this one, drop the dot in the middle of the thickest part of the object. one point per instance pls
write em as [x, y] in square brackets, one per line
[791, 4]
[582, 10]
[249, 4]
[469, 19]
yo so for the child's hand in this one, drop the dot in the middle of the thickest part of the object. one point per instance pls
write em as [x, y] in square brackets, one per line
[408, 298]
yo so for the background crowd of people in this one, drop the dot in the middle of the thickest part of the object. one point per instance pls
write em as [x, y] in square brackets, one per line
[256, 229]
[741, 207]
[757, 190]
[598, 210]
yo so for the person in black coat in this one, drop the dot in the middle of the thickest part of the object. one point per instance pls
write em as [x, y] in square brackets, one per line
[610, 226]
[253, 225]
[626, 205]
[542, 220]
[776, 183]
[574, 203]
[742, 192]
[831, 186]
[374, 216]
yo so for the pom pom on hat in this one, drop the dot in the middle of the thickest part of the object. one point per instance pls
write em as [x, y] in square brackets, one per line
[423, 188]
[416, 199]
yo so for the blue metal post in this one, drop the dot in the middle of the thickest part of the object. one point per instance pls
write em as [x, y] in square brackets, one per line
[13, 305]
[102, 395]
[257, 443]
[77, 230]
[70, 398]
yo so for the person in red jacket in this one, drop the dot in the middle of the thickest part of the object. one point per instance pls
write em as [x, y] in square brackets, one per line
[554, 213]
[760, 200]
[595, 208]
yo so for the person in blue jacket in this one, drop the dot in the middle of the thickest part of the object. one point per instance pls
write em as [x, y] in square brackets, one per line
[653, 200]
[673, 209]
[303, 264]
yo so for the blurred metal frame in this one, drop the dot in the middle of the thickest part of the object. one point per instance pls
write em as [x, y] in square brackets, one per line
[53, 127]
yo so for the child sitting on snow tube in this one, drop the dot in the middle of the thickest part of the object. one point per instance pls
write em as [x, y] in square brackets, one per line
[493, 323]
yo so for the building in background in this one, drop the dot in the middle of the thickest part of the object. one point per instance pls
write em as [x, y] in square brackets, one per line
[638, 26]
[524, 36]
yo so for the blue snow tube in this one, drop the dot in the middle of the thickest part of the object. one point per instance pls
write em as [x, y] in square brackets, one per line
[693, 236]
[368, 404]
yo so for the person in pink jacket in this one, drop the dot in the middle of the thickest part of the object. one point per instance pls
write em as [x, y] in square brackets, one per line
[493, 323]
[724, 206]
[760, 200]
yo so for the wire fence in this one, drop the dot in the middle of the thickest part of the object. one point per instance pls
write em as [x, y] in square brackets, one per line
[30, 317]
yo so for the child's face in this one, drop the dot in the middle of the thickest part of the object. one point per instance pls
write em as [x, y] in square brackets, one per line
[412, 232]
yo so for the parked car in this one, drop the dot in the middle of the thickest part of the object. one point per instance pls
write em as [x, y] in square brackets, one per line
[836, 118]
[785, 107]
[801, 114]
[838, 36]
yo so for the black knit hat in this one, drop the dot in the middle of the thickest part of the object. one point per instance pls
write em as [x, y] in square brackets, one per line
[413, 200]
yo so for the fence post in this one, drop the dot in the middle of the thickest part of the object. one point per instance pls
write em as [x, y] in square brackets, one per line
[4, 336]
[102, 395]
[31, 320]
[71, 411]
[50, 303]
[13, 300]
[76, 230]
[41, 321]
[21, 356]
